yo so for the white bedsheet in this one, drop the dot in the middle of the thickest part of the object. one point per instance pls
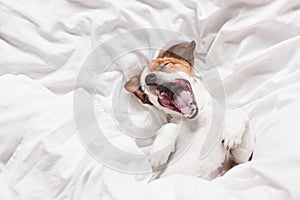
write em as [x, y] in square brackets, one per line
[255, 46]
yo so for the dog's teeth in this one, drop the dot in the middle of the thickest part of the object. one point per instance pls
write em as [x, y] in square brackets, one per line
[160, 95]
[176, 105]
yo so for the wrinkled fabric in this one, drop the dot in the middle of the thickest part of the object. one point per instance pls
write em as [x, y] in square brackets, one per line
[254, 45]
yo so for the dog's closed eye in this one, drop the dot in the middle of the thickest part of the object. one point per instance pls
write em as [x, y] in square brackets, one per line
[163, 66]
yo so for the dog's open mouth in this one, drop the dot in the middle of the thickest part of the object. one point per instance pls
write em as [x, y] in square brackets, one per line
[178, 96]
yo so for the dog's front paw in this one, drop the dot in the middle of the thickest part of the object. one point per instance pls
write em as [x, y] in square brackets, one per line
[160, 157]
[163, 145]
[235, 126]
[231, 141]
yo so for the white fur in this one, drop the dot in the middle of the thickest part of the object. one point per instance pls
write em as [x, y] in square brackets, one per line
[182, 131]
[163, 145]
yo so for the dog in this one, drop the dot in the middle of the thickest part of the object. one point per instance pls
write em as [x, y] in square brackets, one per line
[169, 85]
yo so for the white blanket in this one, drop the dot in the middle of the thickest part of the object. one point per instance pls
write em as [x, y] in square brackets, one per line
[255, 46]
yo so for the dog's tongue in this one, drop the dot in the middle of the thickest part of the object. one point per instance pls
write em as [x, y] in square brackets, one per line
[184, 102]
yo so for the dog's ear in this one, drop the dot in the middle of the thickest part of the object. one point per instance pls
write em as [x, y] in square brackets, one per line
[134, 86]
[183, 51]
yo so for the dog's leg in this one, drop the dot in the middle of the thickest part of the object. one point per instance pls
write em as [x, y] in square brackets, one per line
[236, 136]
[244, 151]
[164, 145]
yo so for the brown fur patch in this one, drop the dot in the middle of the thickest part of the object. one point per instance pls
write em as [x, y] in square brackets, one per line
[183, 51]
[133, 85]
[171, 65]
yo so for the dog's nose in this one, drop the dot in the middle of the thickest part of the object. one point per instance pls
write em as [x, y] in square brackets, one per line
[150, 79]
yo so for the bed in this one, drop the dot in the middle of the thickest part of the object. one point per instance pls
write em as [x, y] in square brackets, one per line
[253, 45]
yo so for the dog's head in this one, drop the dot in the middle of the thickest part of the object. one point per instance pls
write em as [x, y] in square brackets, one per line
[168, 82]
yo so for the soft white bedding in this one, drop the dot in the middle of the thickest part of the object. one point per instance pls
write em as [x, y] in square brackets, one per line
[255, 46]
